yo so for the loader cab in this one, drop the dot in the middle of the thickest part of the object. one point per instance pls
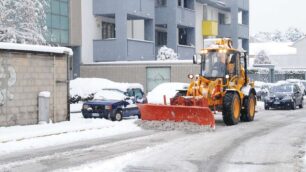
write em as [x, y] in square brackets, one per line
[216, 63]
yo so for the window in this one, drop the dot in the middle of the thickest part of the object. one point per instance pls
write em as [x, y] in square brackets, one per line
[58, 21]
[138, 93]
[179, 3]
[182, 36]
[221, 17]
[160, 3]
[161, 38]
[108, 30]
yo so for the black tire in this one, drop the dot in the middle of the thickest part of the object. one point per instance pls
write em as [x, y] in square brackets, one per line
[293, 105]
[231, 115]
[248, 113]
[117, 116]
[301, 106]
[139, 116]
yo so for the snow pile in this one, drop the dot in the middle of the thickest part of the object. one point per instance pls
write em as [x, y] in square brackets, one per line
[86, 88]
[165, 53]
[170, 125]
[168, 89]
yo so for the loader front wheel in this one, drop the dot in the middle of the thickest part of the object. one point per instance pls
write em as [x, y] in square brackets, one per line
[248, 113]
[231, 108]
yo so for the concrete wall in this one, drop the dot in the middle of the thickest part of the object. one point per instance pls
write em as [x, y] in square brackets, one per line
[91, 30]
[22, 77]
[123, 72]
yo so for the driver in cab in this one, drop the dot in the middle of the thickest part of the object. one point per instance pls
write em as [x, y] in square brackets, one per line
[219, 65]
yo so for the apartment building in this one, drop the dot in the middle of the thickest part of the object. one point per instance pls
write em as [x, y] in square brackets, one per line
[120, 31]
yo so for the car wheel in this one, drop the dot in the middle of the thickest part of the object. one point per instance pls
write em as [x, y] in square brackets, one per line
[117, 116]
[301, 106]
[293, 105]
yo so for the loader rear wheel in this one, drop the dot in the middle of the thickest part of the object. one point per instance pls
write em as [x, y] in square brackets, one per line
[231, 108]
[248, 113]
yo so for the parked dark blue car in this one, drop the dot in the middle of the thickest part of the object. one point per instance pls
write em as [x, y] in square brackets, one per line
[114, 104]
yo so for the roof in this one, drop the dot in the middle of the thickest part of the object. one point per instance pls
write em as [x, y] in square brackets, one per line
[273, 48]
[35, 48]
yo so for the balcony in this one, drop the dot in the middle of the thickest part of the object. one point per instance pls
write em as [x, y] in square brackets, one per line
[140, 50]
[185, 17]
[243, 31]
[108, 50]
[225, 30]
[185, 52]
[105, 50]
[143, 8]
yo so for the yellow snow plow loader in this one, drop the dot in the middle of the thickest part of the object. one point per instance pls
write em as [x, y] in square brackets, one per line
[222, 85]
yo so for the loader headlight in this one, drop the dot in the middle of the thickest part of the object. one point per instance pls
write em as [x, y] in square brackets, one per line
[227, 76]
[190, 76]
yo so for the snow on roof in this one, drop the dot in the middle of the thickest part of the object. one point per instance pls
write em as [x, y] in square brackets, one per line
[35, 48]
[272, 48]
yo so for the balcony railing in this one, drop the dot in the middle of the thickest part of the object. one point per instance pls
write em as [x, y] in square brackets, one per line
[140, 50]
[185, 52]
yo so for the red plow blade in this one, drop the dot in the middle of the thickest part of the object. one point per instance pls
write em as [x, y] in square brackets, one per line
[194, 114]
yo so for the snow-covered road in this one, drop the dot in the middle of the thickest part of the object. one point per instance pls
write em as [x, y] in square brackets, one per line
[273, 142]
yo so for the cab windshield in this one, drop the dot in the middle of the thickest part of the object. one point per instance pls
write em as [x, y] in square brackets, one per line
[218, 64]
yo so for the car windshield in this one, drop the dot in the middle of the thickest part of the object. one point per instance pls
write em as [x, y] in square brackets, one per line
[109, 94]
[218, 64]
[288, 88]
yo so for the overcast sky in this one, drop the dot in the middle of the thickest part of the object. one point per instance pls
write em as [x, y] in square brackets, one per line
[270, 15]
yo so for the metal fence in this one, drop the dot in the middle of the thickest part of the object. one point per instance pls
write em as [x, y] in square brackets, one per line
[278, 76]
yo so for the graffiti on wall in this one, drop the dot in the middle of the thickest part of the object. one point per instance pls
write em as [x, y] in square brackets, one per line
[7, 80]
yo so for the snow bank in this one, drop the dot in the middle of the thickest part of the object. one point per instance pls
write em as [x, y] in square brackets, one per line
[168, 89]
[85, 86]
[35, 48]
[19, 138]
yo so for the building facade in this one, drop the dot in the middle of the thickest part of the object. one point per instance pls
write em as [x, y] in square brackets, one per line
[141, 27]
[108, 31]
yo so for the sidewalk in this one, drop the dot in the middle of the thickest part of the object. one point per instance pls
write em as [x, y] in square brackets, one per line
[17, 138]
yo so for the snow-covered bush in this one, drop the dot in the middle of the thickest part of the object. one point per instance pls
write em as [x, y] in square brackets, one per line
[165, 53]
[262, 58]
[23, 21]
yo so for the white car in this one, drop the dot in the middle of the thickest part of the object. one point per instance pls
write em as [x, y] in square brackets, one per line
[299, 83]
[169, 89]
